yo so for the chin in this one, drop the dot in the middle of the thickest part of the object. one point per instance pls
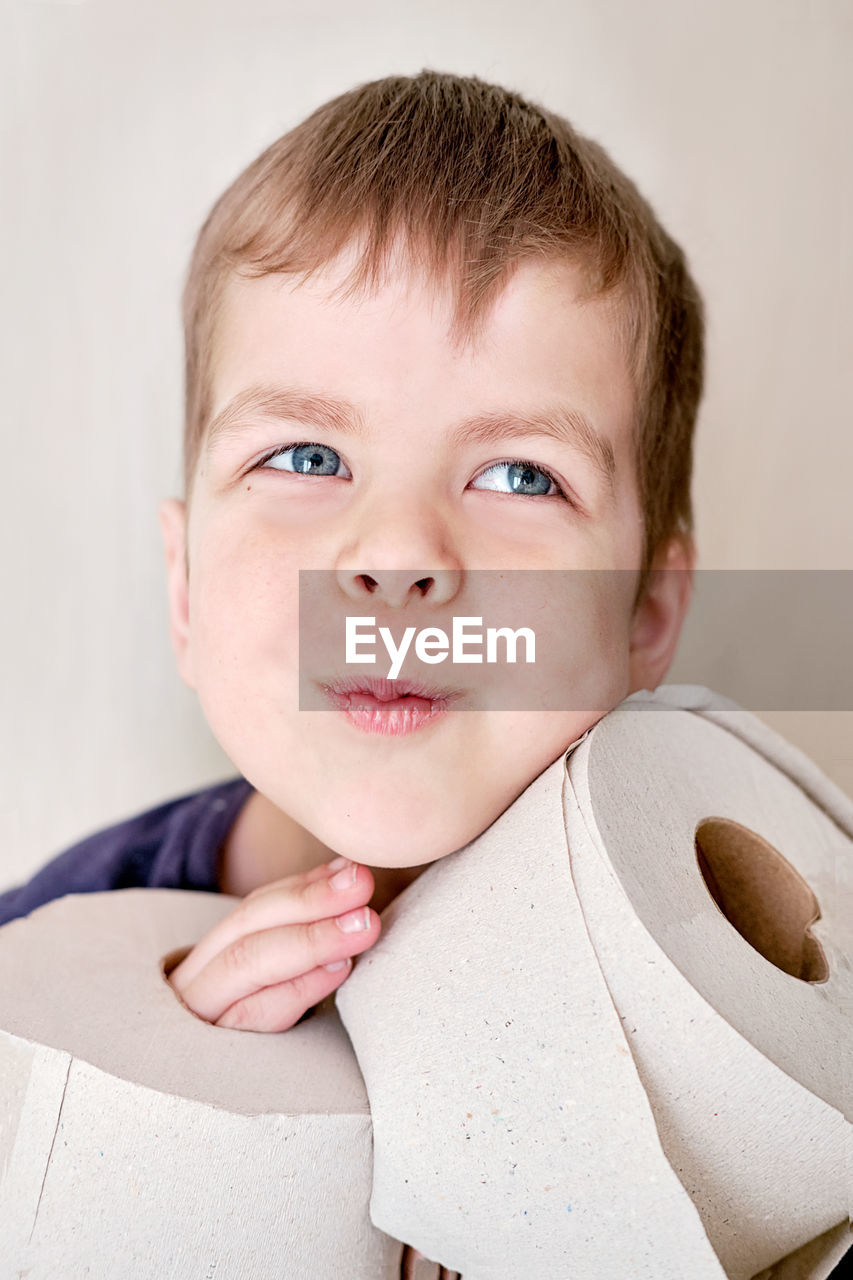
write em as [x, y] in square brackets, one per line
[381, 846]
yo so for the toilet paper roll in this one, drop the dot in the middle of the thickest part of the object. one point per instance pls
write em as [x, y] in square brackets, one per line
[593, 1046]
[138, 1141]
[585, 1052]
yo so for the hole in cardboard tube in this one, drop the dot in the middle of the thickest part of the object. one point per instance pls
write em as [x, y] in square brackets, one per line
[173, 959]
[167, 964]
[762, 896]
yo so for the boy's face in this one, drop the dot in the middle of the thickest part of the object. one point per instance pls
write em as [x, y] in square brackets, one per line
[398, 505]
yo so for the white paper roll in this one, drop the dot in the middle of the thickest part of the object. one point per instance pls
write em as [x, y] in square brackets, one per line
[747, 1067]
[140, 1142]
[576, 1064]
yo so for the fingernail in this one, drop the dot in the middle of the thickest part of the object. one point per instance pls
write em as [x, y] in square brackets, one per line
[344, 879]
[338, 964]
[354, 920]
[338, 862]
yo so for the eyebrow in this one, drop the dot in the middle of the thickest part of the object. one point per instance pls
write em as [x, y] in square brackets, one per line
[332, 413]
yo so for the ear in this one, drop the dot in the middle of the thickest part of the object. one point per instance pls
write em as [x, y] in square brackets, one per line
[172, 517]
[659, 615]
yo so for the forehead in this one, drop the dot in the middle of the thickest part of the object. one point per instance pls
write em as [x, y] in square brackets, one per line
[535, 298]
[543, 344]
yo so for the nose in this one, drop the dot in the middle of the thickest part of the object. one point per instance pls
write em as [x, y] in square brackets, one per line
[390, 537]
[395, 587]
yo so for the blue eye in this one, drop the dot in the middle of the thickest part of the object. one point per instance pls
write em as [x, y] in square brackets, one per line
[309, 459]
[526, 479]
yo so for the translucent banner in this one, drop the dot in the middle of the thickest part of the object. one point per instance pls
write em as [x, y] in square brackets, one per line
[565, 640]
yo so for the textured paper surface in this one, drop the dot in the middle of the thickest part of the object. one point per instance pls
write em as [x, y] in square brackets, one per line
[139, 1141]
[85, 978]
[511, 1132]
[546, 927]
[561, 1059]
[740, 1061]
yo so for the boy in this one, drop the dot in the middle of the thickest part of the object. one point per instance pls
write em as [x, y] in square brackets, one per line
[429, 331]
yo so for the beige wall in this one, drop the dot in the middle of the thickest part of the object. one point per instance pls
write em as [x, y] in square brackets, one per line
[121, 122]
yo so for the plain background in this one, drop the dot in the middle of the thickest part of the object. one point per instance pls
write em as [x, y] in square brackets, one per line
[121, 121]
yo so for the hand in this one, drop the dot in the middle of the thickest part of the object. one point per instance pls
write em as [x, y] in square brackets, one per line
[263, 964]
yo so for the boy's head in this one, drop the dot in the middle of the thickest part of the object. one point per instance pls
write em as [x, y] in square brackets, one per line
[419, 254]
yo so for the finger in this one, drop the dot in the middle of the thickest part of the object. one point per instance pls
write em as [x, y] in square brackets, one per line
[295, 899]
[279, 1007]
[271, 956]
[304, 877]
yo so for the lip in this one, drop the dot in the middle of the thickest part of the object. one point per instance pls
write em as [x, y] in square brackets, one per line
[394, 707]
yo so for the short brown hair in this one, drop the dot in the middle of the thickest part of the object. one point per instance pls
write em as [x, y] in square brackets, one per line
[474, 178]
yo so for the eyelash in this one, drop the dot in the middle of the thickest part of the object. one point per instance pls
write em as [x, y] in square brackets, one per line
[534, 466]
[503, 462]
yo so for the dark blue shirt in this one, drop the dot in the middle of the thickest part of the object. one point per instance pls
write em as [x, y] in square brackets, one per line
[173, 846]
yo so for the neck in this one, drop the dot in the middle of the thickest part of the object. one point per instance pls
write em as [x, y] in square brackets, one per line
[265, 844]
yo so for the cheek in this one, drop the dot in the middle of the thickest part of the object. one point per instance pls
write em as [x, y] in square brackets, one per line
[585, 630]
[243, 611]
